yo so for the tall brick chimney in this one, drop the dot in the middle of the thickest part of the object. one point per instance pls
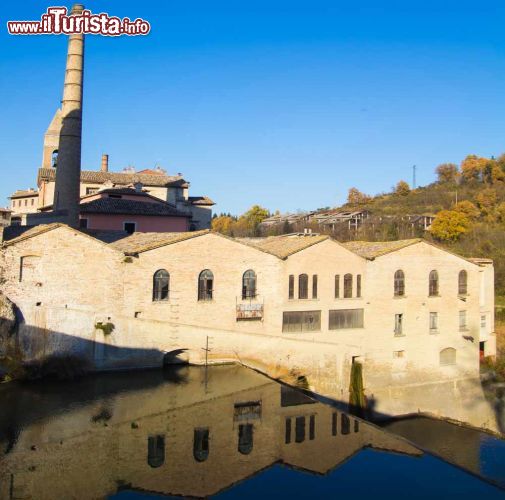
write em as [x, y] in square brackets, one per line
[105, 163]
[68, 170]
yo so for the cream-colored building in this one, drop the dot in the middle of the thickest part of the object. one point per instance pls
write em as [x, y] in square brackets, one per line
[300, 304]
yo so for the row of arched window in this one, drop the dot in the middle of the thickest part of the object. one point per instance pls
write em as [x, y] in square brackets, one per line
[433, 283]
[201, 449]
[161, 285]
[303, 286]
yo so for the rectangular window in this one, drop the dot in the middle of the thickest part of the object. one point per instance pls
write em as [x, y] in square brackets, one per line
[130, 227]
[314, 286]
[287, 435]
[340, 319]
[483, 321]
[312, 427]
[91, 190]
[462, 320]
[337, 286]
[358, 285]
[334, 422]
[398, 354]
[291, 286]
[301, 321]
[26, 203]
[33, 201]
[398, 324]
[433, 322]
[83, 223]
[299, 429]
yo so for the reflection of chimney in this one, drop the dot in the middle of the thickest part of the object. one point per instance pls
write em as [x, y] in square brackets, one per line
[105, 163]
[68, 172]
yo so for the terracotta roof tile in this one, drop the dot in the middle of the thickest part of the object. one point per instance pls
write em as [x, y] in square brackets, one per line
[373, 249]
[142, 242]
[129, 207]
[285, 245]
[200, 200]
[99, 177]
[23, 193]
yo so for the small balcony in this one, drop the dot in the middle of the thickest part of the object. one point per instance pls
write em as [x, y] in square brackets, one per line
[249, 311]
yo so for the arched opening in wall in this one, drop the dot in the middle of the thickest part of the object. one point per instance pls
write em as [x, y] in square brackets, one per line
[161, 285]
[54, 158]
[201, 445]
[347, 286]
[448, 357]
[433, 283]
[156, 451]
[345, 424]
[399, 283]
[245, 438]
[205, 285]
[249, 285]
[462, 283]
[303, 286]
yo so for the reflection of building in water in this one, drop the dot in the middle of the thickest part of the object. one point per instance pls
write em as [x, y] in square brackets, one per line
[180, 439]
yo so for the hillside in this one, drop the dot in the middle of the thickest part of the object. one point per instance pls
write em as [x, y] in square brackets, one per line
[467, 202]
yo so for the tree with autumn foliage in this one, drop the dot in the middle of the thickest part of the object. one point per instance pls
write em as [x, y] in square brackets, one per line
[223, 224]
[447, 173]
[449, 225]
[402, 188]
[356, 197]
[472, 168]
[486, 200]
[467, 208]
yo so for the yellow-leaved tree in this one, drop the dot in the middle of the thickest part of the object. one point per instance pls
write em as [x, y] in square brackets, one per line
[449, 225]
[402, 188]
[467, 208]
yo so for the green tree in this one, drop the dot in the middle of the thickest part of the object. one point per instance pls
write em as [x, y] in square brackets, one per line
[447, 172]
[449, 225]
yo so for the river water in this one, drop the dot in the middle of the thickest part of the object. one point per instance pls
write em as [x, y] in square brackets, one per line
[225, 431]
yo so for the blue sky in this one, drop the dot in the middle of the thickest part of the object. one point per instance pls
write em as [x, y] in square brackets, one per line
[282, 103]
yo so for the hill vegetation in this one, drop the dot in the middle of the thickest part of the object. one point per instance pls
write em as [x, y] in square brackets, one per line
[467, 201]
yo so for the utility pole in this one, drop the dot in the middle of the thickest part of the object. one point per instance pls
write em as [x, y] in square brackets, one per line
[413, 177]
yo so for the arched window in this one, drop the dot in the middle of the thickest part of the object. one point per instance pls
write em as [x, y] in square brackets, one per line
[462, 283]
[245, 438]
[347, 286]
[433, 286]
[205, 285]
[156, 451]
[303, 286]
[54, 159]
[399, 283]
[291, 289]
[249, 285]
[161, 285]
[448, 356]
[201, 445]
[345, 424]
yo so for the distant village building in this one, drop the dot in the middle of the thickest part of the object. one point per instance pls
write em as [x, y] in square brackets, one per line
[5, 217]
